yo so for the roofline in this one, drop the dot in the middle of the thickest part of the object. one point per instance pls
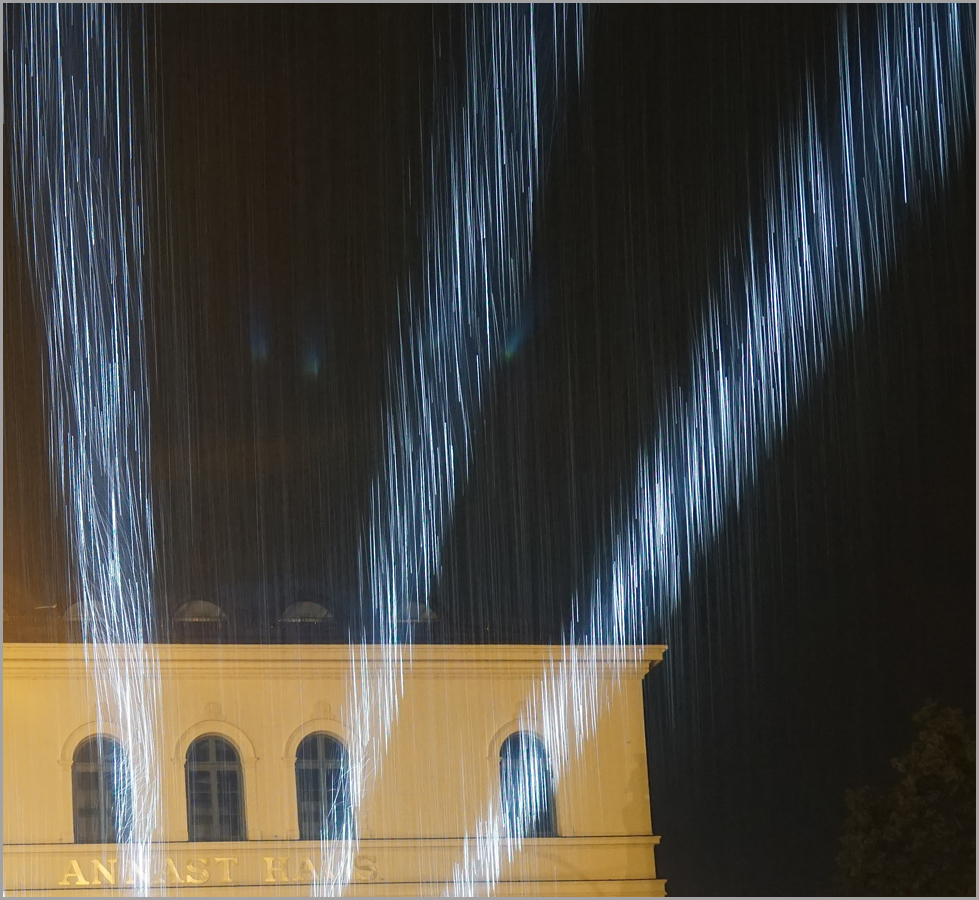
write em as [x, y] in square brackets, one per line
[21, 658]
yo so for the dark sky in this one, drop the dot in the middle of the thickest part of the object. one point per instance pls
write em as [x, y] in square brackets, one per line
[284, 215]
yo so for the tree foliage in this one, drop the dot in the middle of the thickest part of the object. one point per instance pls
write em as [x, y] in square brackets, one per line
[917, 836]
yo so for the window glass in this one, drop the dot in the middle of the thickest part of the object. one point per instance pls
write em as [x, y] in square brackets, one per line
[323, 789]
[101, 792]
[214, 807]
[525, 785]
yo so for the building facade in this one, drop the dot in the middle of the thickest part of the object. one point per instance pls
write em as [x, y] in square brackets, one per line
[254, 748]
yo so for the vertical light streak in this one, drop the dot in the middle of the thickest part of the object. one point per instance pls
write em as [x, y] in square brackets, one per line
[77, 95]
[800, 281]
[485, 161]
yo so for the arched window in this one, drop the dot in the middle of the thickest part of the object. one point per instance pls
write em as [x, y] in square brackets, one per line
[101, 792]
[215, 811]
[323, 789]
[525, 783]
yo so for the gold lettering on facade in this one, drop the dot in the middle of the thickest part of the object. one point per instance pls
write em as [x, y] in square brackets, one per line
[74, 871]
[196, 871]
[272, 867]
[108, 874]
[173, 873]
[197, 874]
[306, 870]
[227, 862]
[137, 872]
[365, 867]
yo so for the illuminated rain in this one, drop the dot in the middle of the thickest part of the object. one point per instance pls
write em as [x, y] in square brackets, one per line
[478, 254]
[454, 305]
[79, 168]
[803, 287]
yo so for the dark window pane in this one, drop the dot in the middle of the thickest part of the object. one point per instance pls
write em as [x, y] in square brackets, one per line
[101, 790]
[201, 828]
[123, 828]
[309, 829]
[87, 752]
[200, 788]
[200, 751]
[525, 785]
[322, 789]
[214, 791]
[87, 781]
[96, 750]
[111, 755]
[308, 785]
[228, 828]
[227, 788]
[308, 749]
[224, 752]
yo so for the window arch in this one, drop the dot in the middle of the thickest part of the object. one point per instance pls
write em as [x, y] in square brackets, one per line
[525, 785]
[101, 790]
[307, 613]
[215, 808]
[200, 611]
[323, 789]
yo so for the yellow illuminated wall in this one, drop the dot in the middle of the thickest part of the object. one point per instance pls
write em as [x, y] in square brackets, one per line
[443, 763]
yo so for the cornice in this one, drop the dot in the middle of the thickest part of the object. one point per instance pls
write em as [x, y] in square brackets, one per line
[329, 660]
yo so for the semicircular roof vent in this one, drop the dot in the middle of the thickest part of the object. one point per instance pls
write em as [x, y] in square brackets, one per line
[305, 612]
[417, 614]
[200, 611]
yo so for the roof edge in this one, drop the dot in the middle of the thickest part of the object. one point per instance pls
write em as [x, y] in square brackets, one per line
[555, 654]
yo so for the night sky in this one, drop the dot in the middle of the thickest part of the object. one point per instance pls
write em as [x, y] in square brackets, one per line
[286, 214]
